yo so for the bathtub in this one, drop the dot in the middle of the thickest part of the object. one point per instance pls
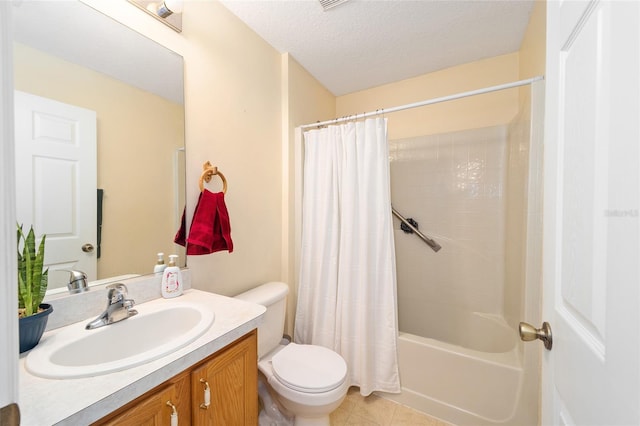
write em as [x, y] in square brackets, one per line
[474, 378]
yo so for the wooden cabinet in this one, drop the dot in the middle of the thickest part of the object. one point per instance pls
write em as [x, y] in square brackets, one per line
[232, 377]
[231, 374]
[152, 409]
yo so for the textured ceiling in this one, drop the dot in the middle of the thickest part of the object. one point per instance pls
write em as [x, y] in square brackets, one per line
[365, 43]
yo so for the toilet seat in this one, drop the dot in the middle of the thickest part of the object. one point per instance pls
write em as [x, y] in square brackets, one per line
[309, 368]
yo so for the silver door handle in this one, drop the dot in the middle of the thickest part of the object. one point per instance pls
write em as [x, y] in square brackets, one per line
[87, 248]
[529, 333]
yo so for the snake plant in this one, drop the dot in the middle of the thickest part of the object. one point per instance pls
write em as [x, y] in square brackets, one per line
[32, 280]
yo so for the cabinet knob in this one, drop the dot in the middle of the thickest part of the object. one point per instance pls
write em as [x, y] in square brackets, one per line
[207, 395]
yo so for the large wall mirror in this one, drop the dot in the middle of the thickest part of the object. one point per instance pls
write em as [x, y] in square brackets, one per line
[99, 141]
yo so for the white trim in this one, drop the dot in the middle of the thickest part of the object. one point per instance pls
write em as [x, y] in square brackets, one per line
[8, 260]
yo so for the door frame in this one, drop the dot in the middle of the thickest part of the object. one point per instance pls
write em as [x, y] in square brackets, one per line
[8, 261]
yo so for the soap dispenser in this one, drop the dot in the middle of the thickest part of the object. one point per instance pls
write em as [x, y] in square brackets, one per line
[171, 279]
[160, 266]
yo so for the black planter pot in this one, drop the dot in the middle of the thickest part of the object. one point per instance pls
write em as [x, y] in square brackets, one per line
[31, 328]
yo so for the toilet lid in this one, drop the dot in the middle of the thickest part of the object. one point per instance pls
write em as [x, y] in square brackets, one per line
[309, 368]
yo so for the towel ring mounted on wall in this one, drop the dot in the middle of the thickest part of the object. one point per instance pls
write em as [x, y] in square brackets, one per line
[208, 173]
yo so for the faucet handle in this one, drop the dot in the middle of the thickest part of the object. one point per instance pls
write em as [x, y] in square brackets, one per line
[77, 282]
[117, 292]
[118, 286]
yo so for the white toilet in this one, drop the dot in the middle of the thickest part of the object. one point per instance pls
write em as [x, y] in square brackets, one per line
[310, 381]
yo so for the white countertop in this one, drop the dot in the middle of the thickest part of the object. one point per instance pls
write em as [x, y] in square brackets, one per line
[85, 400]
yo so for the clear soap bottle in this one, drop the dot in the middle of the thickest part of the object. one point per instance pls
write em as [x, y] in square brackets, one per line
[171, 279]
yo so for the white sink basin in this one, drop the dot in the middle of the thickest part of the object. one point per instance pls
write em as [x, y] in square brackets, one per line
[161, 327]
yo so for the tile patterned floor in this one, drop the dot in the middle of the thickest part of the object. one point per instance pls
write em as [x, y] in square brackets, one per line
[376, 411]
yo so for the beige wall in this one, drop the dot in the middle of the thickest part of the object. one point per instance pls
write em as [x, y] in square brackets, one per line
[469, 113]
[233, 109]
[138, 133]
[533, 47]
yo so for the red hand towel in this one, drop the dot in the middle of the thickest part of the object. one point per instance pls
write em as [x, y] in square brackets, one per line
[210, 229]
[181, 235]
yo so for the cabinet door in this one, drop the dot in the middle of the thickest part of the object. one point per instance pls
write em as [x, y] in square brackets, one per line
[152, 409]
[232, 377]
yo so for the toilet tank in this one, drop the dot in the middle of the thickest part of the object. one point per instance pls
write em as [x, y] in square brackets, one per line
[273, 296]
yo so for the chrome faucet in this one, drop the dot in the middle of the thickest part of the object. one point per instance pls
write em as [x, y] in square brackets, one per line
[118, 307]
[77, 282]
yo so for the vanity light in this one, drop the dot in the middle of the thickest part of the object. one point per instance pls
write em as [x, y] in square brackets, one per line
[168, 12]
[169, 7]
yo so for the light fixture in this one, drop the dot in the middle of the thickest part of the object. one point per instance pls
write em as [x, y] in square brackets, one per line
[169, 7]
[168, 12]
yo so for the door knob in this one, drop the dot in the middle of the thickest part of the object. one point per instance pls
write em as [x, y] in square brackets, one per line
[529, 333]
[87, 248]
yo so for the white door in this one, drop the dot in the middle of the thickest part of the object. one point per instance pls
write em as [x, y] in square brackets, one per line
[591, 232]
[56, 179]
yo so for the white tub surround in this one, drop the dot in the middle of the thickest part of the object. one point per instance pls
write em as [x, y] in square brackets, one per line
[458, 384]
[85, 400]
[476, 192]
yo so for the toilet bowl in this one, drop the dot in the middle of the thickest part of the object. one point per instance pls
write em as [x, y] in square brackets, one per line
[309, 381]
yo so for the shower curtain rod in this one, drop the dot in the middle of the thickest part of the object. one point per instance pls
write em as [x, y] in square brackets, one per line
[427, 102]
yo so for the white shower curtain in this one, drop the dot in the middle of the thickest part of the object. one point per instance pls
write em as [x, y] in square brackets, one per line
[347, 288]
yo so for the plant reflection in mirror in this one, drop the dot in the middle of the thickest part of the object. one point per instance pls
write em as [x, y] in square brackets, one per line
[32, 280]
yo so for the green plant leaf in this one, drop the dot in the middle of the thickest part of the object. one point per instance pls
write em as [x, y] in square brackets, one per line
[28, 254]
[22, 272]
[44, 282]
[36, 284]
[32, 281]
[23, 294]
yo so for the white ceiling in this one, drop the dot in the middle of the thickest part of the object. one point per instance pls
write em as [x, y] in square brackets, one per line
[365, 43]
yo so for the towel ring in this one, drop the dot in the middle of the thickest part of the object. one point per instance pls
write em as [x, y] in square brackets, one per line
[208, 173]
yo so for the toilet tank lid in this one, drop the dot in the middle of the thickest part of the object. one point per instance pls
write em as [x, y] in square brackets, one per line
[265, 294]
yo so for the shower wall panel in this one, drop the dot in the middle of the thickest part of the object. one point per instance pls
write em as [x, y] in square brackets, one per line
[453, 185]
[516, 195]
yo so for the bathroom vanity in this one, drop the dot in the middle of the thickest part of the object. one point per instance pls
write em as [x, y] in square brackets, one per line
[221, 390]
[224, 359]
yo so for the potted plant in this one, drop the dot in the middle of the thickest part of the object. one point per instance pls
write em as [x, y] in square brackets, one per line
[32, 285]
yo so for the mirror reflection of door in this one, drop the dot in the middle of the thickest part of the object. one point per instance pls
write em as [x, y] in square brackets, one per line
[56, 179]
